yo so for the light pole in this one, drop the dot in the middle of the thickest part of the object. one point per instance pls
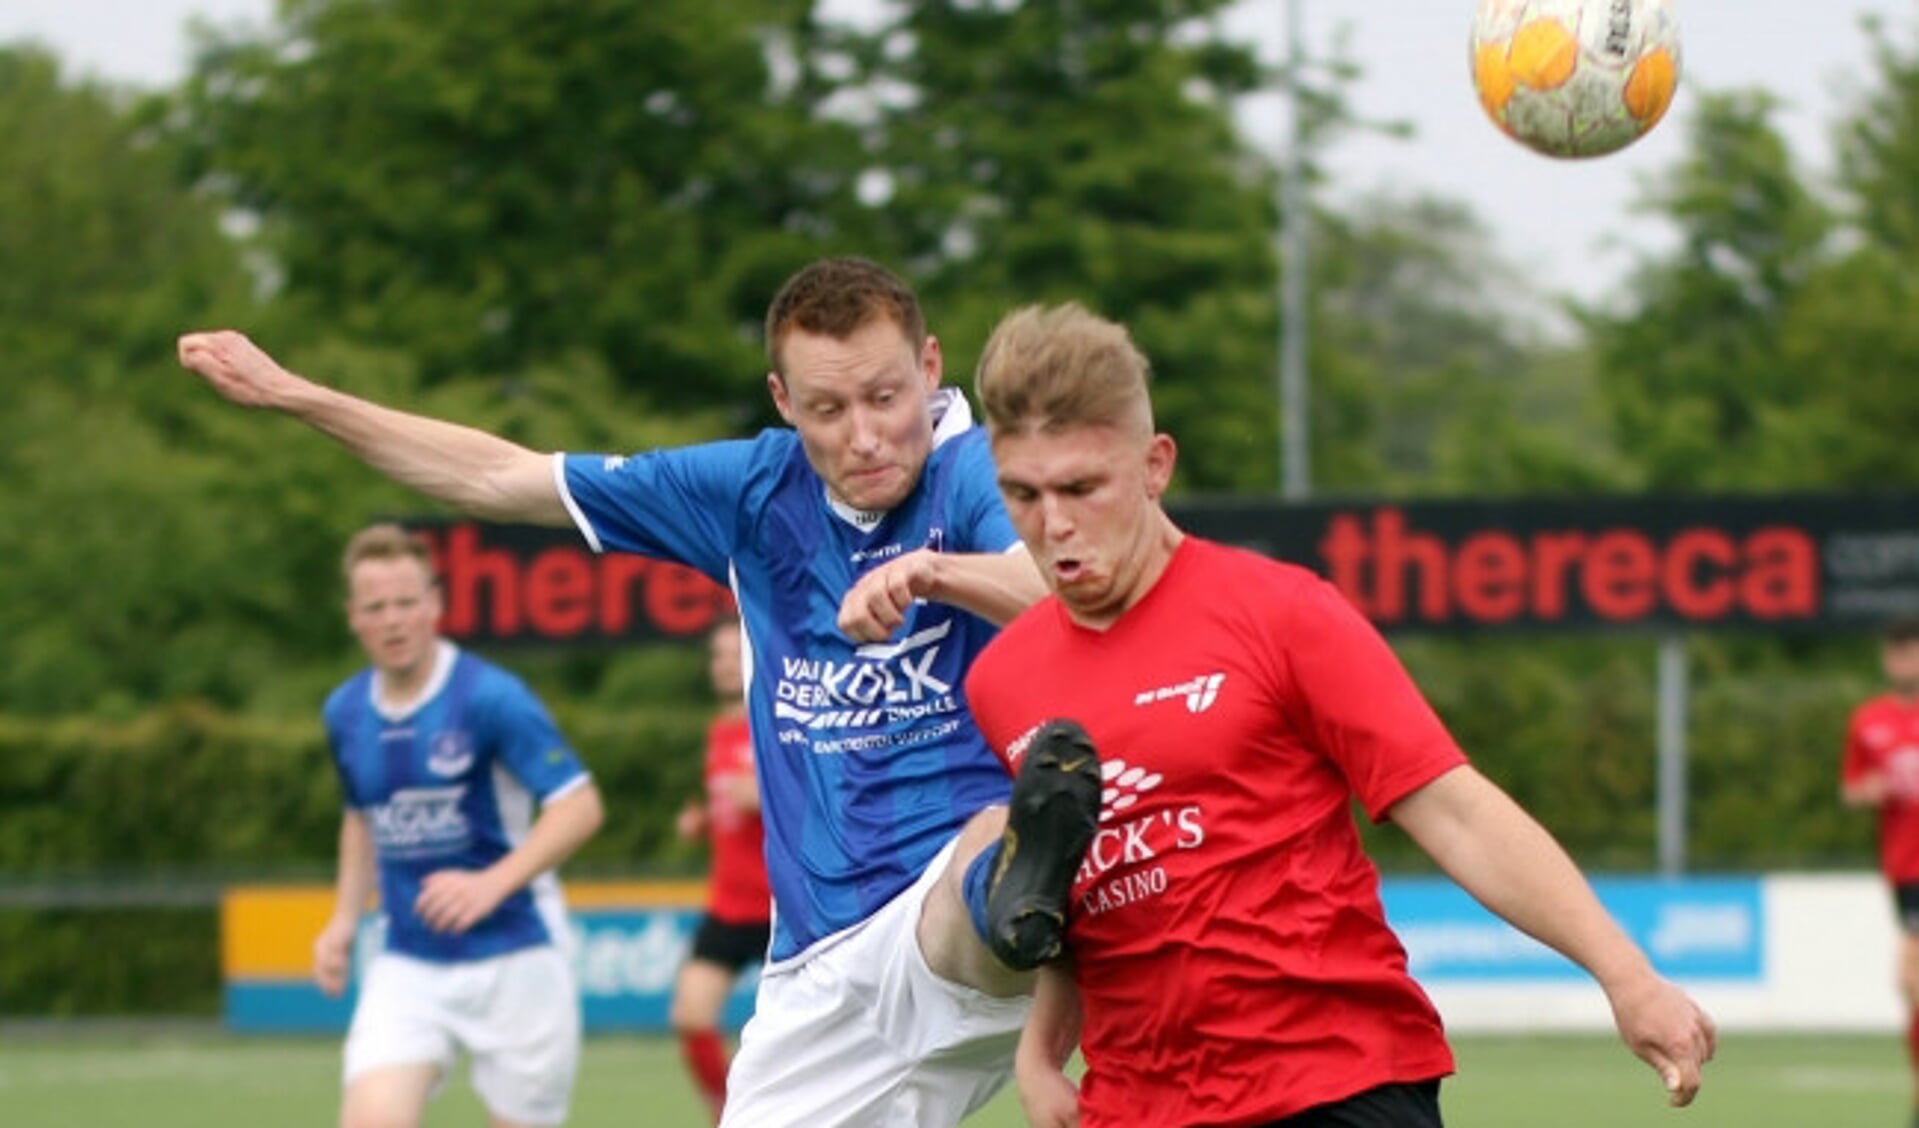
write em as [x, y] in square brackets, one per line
[1295, 435]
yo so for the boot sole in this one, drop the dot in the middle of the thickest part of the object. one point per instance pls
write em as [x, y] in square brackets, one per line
[1052, 815]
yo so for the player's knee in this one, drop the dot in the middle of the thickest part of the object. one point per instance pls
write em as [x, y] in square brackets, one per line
[386, 1099]
[986, 825]
[366, 1114]
[687, 1016]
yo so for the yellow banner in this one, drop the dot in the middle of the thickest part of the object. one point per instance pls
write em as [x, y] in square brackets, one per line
[267, 931]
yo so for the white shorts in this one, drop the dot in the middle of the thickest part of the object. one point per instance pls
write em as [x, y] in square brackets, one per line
[516, 1016]
[862, 1034]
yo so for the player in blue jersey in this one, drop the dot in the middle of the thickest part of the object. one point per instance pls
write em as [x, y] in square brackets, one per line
[443, 758]
[872, 559]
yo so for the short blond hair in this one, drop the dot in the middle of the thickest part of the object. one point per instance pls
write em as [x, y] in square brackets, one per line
[1052, 368]
[385, 541]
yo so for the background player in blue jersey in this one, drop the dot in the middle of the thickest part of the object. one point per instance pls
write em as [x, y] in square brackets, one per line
[443, 758]
[871, 558]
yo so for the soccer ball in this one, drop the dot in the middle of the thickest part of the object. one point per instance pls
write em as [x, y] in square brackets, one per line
[1575, 78]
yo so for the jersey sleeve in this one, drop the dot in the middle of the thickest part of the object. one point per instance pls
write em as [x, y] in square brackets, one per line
[333, 721]
[1358, 703]
[526, 741]
[984, 695]
[985, 527]
[1858, 762]
[680, 504]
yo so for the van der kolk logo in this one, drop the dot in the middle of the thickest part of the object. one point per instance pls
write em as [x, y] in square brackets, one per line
[452, 753]
[418, 821]
[1121, 786]
[1200, 693]
[885, 684]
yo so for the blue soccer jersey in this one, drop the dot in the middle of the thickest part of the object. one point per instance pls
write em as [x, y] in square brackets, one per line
[867, 755]
[452, 784]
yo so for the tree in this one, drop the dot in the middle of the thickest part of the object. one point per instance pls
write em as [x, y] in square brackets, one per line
[1446, 377]
[497, 186]
[1695, 372]
[1060, 150]
[104, 257]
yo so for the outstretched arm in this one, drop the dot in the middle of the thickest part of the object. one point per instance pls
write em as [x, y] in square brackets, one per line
[993, 585]
[475, 472]
[1499, 854]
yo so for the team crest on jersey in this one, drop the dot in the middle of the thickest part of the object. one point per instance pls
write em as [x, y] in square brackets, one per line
[1199, 693]
[451, 754]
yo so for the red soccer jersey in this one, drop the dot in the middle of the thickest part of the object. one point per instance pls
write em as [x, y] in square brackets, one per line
[1235, 965]
[1883, 740]
[737, 891]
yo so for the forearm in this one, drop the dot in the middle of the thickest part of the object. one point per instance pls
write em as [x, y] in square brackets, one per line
[564, 826]
[355, 877]
[1513, 866]
[477, 473]
[996, 586]
[1866, 793]
[1052, 1027]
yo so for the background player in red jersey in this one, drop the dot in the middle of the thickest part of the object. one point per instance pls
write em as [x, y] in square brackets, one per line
[737, 925]
[1230, 962]
[1881, 771]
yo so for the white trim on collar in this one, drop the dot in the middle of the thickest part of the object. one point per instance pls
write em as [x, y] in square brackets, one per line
[444, 656]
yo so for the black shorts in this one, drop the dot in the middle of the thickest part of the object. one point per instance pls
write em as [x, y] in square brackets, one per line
[1399, 1105]
[729, 944]
[1905, 899]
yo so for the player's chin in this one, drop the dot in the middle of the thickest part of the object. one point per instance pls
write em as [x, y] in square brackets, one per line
[876, 490]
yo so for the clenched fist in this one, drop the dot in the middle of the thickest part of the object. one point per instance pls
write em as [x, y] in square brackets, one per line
[238, 369]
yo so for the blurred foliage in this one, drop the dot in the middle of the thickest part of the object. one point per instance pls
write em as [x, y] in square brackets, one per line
[1061, 150]
[185, 789]
[492, 188]
[164, 961]
[561, 219]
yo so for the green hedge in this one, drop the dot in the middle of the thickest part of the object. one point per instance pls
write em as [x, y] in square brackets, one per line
[73, 963]
[1569, 728]
[186, 797]
[186, 789]
[189, 794]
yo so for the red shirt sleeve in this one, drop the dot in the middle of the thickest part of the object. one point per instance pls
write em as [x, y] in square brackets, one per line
[1358, 703]
[1858, 762]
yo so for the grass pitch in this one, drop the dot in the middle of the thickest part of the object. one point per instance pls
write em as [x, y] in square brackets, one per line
[57, 1080]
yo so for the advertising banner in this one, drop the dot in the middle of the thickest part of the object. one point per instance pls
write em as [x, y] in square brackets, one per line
[1795, 562]
[627, 943]
[1694, 929]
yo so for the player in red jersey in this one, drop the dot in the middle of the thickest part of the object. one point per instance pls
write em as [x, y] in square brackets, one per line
[734, 932]
[1881, 771]
[1228, 962]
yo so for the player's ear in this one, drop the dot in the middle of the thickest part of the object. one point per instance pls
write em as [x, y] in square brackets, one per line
[932, 363]
[776, 386]
[1161, 453]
